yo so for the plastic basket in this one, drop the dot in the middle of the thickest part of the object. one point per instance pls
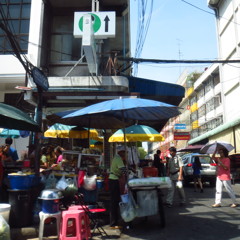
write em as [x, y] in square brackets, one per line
[19, 182]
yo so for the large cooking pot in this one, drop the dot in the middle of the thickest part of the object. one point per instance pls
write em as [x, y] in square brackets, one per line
[50, 200]
[51, 194]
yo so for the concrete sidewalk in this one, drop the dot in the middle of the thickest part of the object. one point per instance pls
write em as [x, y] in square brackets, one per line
[31, 233]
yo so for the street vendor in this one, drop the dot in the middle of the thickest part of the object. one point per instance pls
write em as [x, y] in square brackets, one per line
[117, 171]
[11, 152]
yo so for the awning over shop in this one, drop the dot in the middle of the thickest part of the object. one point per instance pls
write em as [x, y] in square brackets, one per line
[216, 131]
[156, 90]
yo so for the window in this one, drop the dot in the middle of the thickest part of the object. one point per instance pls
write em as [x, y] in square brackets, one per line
[200, 93]
[217, 100]
[216, 80]
[210, 105]
[209, 85]
[193, 100]
[194, 133]
[194, 116]
[64, 46]
[17, 15]
[202, 111]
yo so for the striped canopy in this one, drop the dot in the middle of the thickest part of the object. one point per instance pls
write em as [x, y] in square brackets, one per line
[137, 133]
[65, 131]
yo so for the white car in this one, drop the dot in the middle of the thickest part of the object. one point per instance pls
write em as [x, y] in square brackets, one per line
[208, 172]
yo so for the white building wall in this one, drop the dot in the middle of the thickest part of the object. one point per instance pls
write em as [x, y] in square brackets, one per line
[229, 37]
[35, 31]
[232, 99]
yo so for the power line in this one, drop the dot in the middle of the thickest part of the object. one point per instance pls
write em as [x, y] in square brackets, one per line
[165, 61]
[209, 12]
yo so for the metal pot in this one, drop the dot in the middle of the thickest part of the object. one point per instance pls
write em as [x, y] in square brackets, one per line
[51, 194]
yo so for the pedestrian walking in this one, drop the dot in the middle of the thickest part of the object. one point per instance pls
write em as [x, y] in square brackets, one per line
[197, 174]
[223, 178]
[175, 172]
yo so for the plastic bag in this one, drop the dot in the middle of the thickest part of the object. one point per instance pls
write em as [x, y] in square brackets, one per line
[50, 182]
[90, 182]
[179, 184]
[128, 210]
[62, 183]
[71, 188]
[4, 229]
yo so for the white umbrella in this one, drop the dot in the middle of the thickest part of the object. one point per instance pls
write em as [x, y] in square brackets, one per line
[211, 147]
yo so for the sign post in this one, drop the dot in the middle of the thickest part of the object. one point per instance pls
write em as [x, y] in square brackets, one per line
[104, 24]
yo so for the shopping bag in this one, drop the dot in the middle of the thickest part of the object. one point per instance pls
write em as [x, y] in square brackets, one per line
[62, 183]
[128, 210]
[50, 182]
[90, 182]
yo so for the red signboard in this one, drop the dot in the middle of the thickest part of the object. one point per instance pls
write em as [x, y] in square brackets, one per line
[181, 135]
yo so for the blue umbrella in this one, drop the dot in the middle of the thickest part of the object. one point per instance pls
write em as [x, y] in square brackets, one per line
[5, 133]
[123, 111]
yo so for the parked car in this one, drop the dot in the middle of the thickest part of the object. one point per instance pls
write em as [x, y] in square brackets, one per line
[235, 167]
[208, 172]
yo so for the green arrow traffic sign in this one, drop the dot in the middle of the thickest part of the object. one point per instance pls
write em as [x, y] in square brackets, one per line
[96, 23]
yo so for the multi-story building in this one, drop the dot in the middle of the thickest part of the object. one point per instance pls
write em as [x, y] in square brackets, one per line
[227, 125]
[201, 109]
[82, 69]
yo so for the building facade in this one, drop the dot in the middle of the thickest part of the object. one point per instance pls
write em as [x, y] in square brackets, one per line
[80, 71]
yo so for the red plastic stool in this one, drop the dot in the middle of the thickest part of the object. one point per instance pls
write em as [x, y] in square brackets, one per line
[77, 207]
[85, 209]
[74, 225]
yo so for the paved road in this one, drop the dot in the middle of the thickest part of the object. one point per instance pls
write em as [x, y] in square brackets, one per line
[196, 221]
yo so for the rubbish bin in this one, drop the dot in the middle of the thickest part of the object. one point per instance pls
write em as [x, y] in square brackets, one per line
[21, 213]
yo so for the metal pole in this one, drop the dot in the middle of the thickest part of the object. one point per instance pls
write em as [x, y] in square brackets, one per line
[38, 119]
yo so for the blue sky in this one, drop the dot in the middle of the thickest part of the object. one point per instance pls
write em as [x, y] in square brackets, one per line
[177, 31]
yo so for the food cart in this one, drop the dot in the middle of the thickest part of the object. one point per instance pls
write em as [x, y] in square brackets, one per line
[148, 196]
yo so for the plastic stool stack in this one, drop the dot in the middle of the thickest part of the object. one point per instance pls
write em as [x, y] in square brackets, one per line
[75, 225]
[43, 216]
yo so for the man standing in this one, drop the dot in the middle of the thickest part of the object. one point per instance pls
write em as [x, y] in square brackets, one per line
[11, 152]
[157, 163]
[117, 169]
[175, 172]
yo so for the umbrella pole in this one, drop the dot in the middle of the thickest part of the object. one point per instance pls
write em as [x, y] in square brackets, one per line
[125, 146]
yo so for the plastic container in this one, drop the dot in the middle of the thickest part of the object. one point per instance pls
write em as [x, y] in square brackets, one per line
[34, 180]
[19, 182]
[100, 184]
[150, 172]
[50, 206]
[26, 163]
[50, 200]
[5, 211]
